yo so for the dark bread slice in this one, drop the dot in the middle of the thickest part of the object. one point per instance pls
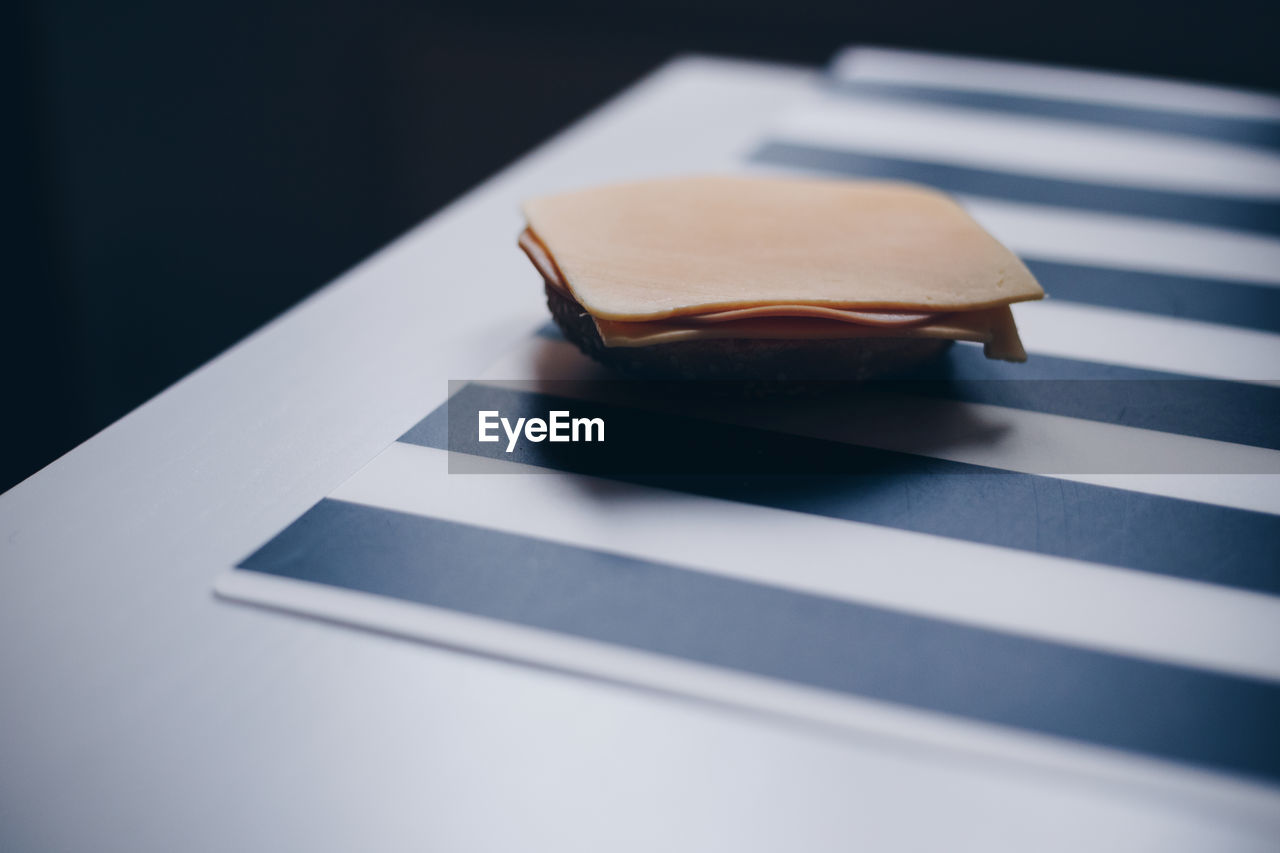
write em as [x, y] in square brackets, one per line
[772, 361]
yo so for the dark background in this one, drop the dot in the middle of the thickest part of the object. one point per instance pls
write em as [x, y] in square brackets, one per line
[184, 171]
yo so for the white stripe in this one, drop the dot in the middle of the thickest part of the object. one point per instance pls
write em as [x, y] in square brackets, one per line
[1113, 240]
[1047, 81]
[872, 721]
[1115, 610]
[1150, 341]
[1259, 492]
[1032, 145]
[1129, 242]
[1159, 463]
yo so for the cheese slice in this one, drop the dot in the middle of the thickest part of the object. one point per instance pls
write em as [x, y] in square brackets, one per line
[994, 328]
[546, 265]
[682, 247]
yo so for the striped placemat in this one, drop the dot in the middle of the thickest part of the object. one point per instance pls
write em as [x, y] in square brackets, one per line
[1074, 560]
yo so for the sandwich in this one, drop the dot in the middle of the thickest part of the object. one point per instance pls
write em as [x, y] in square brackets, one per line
[772, 278]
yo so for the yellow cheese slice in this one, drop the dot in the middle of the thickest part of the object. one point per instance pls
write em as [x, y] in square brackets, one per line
[542, 261]
[685, 246]
[992, 327]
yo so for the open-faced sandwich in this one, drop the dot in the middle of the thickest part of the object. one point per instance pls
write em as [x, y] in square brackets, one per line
[726, 277]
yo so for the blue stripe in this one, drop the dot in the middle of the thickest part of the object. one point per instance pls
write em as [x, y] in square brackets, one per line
[1202, 718]
[1218, 211]
[1133, 530]
[1260, 133]
[1238, 412]
[1250, 306]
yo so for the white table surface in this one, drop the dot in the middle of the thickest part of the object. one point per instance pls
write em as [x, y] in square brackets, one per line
[139, 712]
